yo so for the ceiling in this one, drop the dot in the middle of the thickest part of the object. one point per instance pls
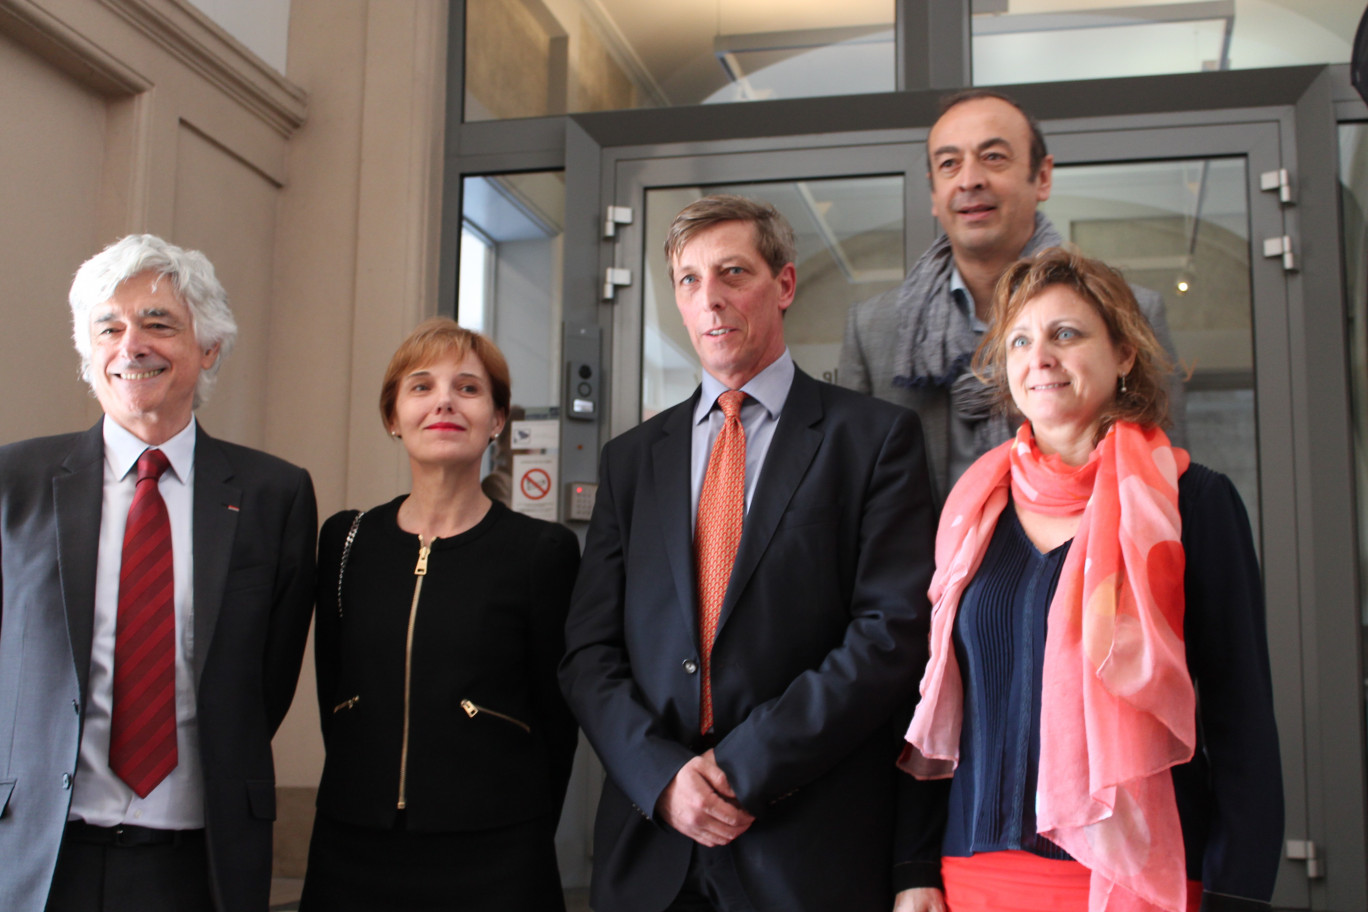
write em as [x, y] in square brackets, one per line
[675, 51]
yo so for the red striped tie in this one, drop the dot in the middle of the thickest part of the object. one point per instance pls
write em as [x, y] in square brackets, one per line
[142, 742]
[721, 511]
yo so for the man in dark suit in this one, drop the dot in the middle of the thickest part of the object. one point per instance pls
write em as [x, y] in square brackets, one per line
[155, 595]
[749, 726]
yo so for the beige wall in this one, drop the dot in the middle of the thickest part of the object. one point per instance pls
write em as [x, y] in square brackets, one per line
[356, 260]
[133, 115]
[49, 195]
[315, 194]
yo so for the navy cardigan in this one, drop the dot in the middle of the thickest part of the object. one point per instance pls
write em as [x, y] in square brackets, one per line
[1229, 795]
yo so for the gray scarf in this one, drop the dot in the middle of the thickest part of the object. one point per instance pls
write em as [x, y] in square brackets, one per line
[936, 339]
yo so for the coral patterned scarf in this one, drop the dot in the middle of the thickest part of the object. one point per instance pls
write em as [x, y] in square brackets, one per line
[1118, 707]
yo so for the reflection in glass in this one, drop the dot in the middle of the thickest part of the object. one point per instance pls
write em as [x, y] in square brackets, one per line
[536, 58]
[849, 235]
[1354, 213]
[1016, 41]
[1182, 229]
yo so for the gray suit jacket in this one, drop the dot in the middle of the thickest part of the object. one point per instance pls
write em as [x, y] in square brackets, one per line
[254, 524]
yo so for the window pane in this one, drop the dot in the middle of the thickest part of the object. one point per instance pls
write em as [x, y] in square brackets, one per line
[541, 57]
[1182, 228]
[515, 222]
[1017, 41]
[473, 293]
[849, 233]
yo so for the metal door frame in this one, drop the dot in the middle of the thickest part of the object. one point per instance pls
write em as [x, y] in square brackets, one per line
[1254, 138]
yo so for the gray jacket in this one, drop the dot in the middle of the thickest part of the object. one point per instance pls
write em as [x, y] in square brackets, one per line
[253, 540]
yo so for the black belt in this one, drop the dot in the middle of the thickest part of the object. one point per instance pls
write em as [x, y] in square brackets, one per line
[126, 835]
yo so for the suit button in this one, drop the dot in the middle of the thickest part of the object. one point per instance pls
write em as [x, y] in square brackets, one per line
[66, 780]
[690, 666]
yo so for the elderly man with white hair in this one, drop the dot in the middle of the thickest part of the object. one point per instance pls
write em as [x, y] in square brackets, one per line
[155, 596]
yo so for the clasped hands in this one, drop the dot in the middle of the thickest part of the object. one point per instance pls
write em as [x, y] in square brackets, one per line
[700, 803]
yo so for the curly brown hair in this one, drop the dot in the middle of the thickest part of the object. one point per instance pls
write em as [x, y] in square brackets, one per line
[1145, 401]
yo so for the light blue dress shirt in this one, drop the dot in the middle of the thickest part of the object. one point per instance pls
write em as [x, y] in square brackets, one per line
[765, 396]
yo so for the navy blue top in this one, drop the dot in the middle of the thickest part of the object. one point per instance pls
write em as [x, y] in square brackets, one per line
[1000, 644]
[1229, 796]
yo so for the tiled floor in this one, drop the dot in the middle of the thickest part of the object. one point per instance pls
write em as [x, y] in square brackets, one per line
[285, 896]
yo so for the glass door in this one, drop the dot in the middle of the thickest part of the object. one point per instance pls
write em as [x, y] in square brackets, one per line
[1181, 228]
[849, 233]
[858, 212]
[1187, 225]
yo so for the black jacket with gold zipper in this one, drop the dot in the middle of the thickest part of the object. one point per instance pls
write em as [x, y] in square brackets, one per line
[437, 672]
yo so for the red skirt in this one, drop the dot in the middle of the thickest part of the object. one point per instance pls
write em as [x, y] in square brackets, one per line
[1022, 882]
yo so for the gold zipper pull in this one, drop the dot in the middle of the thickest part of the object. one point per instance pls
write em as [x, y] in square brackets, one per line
[472, 709]
[423, 549]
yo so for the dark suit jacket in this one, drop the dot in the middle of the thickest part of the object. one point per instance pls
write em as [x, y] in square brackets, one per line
[254, 522]
[821, 642]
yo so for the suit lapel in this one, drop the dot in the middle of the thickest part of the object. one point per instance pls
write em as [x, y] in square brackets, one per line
[670, 457]
[215, 524]
[77, 494]
[790, 454]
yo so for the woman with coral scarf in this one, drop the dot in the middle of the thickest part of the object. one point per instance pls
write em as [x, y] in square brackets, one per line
[1096, 728]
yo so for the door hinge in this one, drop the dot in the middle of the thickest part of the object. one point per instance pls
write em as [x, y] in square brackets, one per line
[1281, 246]
[616, 215]
[612, 278]
[1305, 850]
[1278, 180]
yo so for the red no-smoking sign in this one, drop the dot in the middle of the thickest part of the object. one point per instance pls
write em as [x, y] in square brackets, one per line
[535, 484]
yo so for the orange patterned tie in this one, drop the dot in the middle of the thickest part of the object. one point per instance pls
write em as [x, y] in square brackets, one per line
[721, 510]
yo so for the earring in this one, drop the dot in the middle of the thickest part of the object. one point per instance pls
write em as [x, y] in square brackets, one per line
[394, 434]
[1123, 383]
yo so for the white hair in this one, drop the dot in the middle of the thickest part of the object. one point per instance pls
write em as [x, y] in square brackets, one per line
[192, 276]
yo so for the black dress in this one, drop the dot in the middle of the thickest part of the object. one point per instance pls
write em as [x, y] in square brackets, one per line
[448, 743]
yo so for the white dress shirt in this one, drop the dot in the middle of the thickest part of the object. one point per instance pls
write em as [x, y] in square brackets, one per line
[99, 797]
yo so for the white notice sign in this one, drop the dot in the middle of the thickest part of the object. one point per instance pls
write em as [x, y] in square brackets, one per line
[534, 484]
